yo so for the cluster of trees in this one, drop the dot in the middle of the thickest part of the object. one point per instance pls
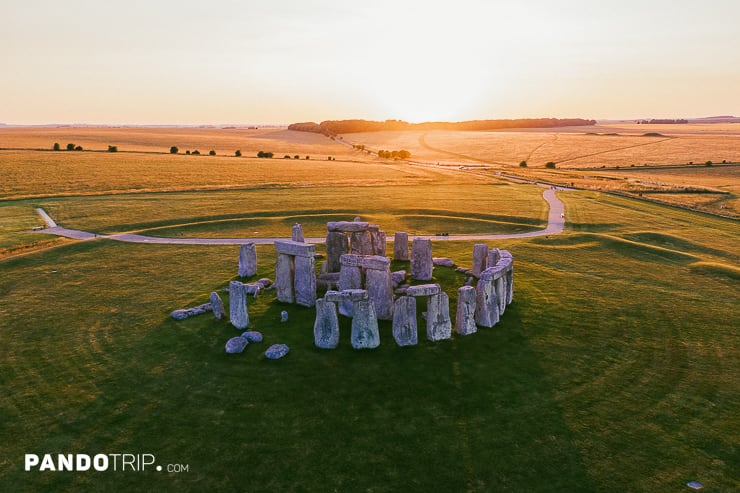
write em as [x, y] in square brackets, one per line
[402, 154]
[264, 154]
[175, 150]
[70, 147]
[332, 128]
[662, 121]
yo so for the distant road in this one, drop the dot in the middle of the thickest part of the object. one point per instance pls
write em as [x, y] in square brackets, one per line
[555, 225]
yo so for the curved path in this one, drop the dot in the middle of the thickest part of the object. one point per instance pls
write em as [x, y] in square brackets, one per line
[555, 225]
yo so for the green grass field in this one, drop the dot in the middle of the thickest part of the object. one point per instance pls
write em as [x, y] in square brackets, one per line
[616, 368]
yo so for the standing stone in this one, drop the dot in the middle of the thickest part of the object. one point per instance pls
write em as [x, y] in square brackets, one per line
[486, 305]
[238, 312]
[365, 333]
[218, 305]
[501, 292]
[349, 278]
[361, 243]
[404, 321]
[247, 260]
[480, 258]
[421, 259]
[379, 242]
[465, 317]
[326, 326]
[439, 325]
[305, 281]
[510, 284]
[284, 278]
[493, 257]
[297, 233]
[336, 246]
[283, 316]
[380, 290]
[401, 246]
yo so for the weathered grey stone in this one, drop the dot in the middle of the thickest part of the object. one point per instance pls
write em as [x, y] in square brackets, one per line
[236, 345]
[349, 278]
[357, 219]
[365, 333]
[423, 290]
[505, 254]
[191, 312]
[379, 242]
[277, 351]
[305, 281]
[284, 278]
[326, 326]
[439, 325]
[486, 304]
[283, 316]
[217, 305]
[346, 295]
[247, 260]
[330, 276]
[463, 270]
[443, 262]
[469, 281]
[404, 321]
[337, 245]
[361, 243]
[401, 246]
[510, 284]
[380, 290]
[398, 277]
[253, 288]
[421, 259]
[266, 283]
[480, 258]
[346, 226]
[499, 285]
[294, 248]
[238, 312]
[499, 270]
[368, 262]
[252, 336]
[493, 257]
[297, 233]
[465, 316]
[402, 289]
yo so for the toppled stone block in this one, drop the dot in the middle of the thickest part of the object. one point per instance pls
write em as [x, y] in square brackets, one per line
[443, 262]
[423, 290]
[191, 312]
[236, 345]
[266, 282]
[252, 336]
[398, 277]
[277, 351]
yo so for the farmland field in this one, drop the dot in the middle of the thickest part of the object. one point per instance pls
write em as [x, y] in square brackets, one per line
[616, 367]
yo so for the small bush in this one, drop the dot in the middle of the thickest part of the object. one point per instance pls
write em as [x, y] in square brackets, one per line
[296, 156]
[196, 152]
[708, 163]
[264, 154]
[70, 147]
[56, 146]
[551, 165]
[211, 152]
[112, 148]
[78, 148]
[523, 164]
[286, 157]
[238, 153]
[174, 150]
[187, 152]
[308, 157]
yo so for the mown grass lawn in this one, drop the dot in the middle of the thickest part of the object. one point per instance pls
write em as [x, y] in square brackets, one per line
[615, 369]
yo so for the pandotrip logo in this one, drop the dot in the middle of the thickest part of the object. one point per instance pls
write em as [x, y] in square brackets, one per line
[98, 463]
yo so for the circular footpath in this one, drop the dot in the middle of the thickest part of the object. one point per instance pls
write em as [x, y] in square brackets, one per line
[555, 225]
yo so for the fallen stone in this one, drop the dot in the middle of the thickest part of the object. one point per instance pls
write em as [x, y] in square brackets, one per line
[465, 316]
[443, 262]
[238, 312]
[217, 305]
[297, 233]
[277, 351]
[326, 325]
[439, 325]
[252, 336]
[365, 333]
[423, 290]
[191, 312]
[421, 259]
[398, 277]
[404, 321]
[266, 283]
[236, 345]
[469, 281]
[346, 226]
[247, 260]
[294, 248]
[402, 289]
[401, 246]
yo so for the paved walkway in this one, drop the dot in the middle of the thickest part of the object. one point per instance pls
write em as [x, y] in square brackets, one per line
[555, 225]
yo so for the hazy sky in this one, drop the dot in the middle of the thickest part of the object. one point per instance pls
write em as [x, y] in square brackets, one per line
[282, 61]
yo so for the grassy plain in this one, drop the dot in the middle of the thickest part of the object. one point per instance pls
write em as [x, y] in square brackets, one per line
[615, 369]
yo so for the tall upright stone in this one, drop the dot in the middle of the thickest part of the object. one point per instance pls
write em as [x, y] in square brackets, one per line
[486, 304]
[421, 259]
[379, 243]
[305, 280]
[439, 325]
[247, 260]
[480, 258]
[501, 293]
[217, 305]
[350, 277]
[361, 243]
[465, 316]
[326, 326]
[401, 246]
[365, 334]
[380, 290]
[404, 321]
[284, 278]
[510, 284]
[238, 313]
[297, 233]
[494, 255]
[337, 245]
